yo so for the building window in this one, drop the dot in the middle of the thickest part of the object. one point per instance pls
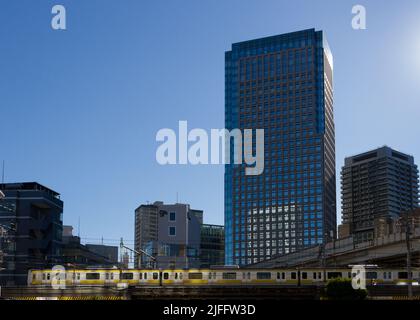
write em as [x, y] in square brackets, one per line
[172, 231]
[172, 216]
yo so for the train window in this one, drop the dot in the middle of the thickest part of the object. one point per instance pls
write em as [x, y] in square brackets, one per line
[249, 275]
[43, 276]
[229, 275]
[195, 275]
[389, 275]
[155, 275]
[304, 275]
[319, 275]
[127, 276]
[385, 275]
[334, 275]
[48, 276]
[371, 275]
[263, 275]
[33, 276]
[112, 276]
[107, 276]
[314, 275]
[349, 275]
[145, 276]
[181, 276]
[141, 276]
[402, 275]
[283, 275]
[176, 275]
[92, 276]
[293, 275]
[74, 276]
[166, 276]
[278, 275]
[78, 276]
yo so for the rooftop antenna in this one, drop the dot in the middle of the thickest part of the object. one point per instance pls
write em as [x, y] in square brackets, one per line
[2, 174]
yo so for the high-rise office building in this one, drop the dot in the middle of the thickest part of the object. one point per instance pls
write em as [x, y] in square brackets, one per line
[33, 217]
[381, 183]
[284, 85]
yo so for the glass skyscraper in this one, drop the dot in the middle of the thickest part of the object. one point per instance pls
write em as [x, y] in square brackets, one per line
[284, 85]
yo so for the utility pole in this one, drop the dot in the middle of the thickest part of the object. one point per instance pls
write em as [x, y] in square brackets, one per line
[408, 243]
[139, 253]
[405, 221]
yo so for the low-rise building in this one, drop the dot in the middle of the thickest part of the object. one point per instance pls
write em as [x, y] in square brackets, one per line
[74, 253]
[32, 215]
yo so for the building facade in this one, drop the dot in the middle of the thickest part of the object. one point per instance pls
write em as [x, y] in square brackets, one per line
[168, 232]
[32, 213]
[284, 85]
[212, 245]
[381, 183]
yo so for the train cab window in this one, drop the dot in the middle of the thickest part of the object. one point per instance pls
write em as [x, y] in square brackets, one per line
[229, 275]
[293, 275]
[92, 276]
[155, 276]
[195, 275]
[304, 275]
[263, 275]
[127, 276]
[165, 276]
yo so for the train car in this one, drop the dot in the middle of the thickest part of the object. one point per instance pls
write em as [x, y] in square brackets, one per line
[213, 277]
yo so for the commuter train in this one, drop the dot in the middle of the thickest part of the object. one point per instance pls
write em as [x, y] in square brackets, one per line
[211, 277]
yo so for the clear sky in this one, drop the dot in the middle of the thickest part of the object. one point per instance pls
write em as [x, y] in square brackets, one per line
[80, 108]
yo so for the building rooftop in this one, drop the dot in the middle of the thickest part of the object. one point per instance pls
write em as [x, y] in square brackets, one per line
[28, 186]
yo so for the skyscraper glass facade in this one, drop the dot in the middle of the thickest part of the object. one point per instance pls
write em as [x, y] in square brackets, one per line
[284, 85]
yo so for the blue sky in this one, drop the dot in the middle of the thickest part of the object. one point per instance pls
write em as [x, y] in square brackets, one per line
[80, 108]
